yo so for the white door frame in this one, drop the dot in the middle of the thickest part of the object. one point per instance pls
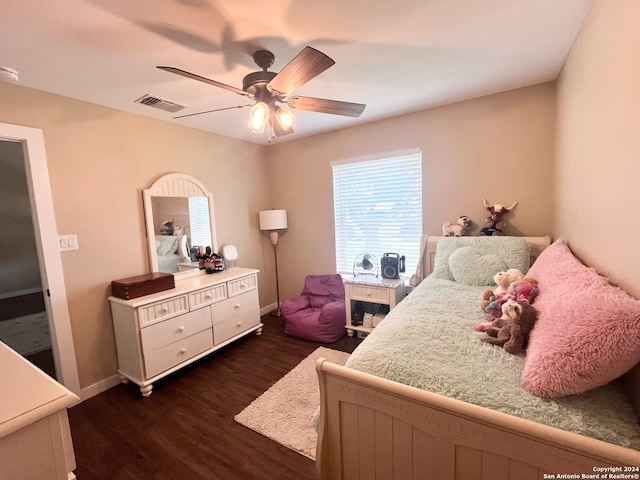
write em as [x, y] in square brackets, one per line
[48, 248]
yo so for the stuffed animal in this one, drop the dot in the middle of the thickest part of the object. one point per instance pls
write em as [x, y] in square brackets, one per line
[493, 301]
[503, 280]
[499, 312]
[457, 229]
[167, 228]
[495, 221]
[506, 309]
[525, 289]
[513, 333]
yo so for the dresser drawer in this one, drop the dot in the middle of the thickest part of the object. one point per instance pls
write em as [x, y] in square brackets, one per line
[156, 312]
[242, 285]
[235, 306]
[157, 361]
[207, 296]
[171, 330]
[230, 327]
[369, 293]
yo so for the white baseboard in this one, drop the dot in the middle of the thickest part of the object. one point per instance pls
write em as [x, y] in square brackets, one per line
[107, 383]
[19, 293]
[268, 308]
[99, 387]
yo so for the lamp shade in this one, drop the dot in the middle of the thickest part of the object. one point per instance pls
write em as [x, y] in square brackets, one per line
[273, 219]
[259, 116]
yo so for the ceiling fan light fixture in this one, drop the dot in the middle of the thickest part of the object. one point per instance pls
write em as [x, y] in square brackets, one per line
[285, 118]
[258, 117]
[269, 89]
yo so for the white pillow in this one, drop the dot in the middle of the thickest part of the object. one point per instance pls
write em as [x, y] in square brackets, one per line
[514, 251]
[470, 267]
[166, 244]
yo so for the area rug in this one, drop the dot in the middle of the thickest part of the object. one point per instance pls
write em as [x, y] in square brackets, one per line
[284, 413]
[26, 335]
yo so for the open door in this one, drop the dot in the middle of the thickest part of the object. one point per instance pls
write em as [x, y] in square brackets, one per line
[48, 252]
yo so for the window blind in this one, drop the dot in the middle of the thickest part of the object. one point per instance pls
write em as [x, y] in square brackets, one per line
[199, 222]
[378, 209]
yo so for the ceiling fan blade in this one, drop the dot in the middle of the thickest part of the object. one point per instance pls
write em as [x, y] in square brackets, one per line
[323, 105]
[193, 76]
[307, 64]
[211, 111]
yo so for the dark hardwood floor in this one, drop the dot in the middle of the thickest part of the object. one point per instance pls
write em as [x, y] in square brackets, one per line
[21, 305]
[185, 429]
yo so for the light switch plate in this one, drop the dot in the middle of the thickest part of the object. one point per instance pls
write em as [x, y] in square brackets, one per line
[68, 242]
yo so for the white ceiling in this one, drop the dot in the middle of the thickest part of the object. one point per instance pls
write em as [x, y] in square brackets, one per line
[395, 56]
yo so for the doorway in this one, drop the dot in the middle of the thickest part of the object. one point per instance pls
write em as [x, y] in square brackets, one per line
[24, 325]
[41, 282]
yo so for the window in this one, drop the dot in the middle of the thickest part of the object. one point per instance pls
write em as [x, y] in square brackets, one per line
[378, 208]
[199, 222]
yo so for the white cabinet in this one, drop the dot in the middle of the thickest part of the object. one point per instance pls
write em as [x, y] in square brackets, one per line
[370, 289]
[35, 439]
[160, 333]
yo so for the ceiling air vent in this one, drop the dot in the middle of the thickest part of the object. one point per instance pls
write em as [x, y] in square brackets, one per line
[160, 103]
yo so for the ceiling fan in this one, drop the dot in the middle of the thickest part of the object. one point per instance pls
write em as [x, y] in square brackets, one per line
[271, 89]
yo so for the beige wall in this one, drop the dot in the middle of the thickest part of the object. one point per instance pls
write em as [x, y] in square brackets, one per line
[99, 161]
[500, 147]
[598, 157]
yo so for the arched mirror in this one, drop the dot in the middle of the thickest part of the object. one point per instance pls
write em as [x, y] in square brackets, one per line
[179, 215]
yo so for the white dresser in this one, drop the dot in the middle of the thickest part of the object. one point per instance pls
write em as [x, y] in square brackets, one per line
[160, 333]
[35, 440]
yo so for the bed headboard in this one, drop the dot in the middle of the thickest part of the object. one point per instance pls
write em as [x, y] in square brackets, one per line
[537, 244]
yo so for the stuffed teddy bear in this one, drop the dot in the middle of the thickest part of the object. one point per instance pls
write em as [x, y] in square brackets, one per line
[513, 334]
[503, 280]
[493, 302]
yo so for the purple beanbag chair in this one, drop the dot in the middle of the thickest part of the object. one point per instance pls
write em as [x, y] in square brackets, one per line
[318, 314]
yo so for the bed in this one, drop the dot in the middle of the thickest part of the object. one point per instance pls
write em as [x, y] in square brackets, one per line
[422, 397]
[170, 251]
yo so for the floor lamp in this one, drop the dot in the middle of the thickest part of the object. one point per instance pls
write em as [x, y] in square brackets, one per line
[273, 221]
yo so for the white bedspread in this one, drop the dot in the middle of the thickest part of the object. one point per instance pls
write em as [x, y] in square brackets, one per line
[428, 342]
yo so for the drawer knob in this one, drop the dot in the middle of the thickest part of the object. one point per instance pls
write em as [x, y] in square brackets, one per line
[243, 285]
[181, 329]
[165, 310]
[183, 351]
[236, 306]
[208, 296]
[368, 293]
[239, 324]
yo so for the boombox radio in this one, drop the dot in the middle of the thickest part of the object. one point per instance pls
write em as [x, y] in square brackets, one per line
[392, 265]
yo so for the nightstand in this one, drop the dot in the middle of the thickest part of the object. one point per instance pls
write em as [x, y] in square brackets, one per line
[373, 293]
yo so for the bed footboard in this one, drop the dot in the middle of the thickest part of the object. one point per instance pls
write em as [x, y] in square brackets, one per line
[372, 428]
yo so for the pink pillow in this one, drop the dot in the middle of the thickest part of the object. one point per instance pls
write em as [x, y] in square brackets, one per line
[587, 333]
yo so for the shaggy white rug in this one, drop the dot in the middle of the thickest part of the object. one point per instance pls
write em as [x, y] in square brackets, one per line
[284, 413]
[26, 335]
